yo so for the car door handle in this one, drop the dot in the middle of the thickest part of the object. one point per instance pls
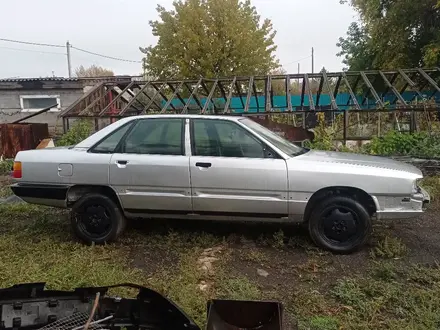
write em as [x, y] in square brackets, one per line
[121, 163]
[205, 165]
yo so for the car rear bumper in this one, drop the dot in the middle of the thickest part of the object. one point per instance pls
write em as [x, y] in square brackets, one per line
[49, 195]
[414, 207]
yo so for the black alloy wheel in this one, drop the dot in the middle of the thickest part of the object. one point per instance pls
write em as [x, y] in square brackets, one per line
[340, 224]
[97, 219]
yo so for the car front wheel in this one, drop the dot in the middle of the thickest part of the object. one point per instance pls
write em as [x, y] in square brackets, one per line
[96, 218]
[340, 224]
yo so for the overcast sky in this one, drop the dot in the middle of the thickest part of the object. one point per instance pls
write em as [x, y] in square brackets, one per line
[117, 28]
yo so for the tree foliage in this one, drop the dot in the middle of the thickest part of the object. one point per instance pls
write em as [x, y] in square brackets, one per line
[391, 34]
[80, 130]
[93, 71]
[210, 38]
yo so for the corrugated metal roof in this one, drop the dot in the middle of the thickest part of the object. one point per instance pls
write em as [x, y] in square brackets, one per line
[38, 79]
[108, 78]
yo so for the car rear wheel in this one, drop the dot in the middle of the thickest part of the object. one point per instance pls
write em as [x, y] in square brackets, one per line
[340, 224]
[96, 218]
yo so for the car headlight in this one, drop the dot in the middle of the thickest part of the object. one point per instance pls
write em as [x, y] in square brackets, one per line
[416, 187]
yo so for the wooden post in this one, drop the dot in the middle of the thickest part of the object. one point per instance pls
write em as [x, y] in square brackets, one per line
[378, 124]
[412, 122]
[345, 126]
[96, 125]
[65, 125]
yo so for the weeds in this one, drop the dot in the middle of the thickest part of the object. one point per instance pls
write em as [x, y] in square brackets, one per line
[385, 271]
[35, 245]
[256, 256]
[35, 248]
[324, 323]
[6, 166]
[374, 304]
[5, 191]
[389, 248]
[181, 284]
[278, 239]
[239, 287]
[432, 185]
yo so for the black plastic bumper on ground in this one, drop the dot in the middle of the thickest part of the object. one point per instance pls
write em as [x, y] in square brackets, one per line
[30, 306]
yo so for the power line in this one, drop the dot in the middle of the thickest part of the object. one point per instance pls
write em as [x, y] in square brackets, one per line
[32, 43]
[63, 46]
[302, 59]
[31, 51]
[105, 56]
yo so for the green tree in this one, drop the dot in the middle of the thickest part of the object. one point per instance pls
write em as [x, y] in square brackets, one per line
[93, 71]
[210, 38]
[355, 48]
[392, 33]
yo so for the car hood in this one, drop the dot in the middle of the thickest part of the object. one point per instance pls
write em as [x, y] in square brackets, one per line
[353, 159]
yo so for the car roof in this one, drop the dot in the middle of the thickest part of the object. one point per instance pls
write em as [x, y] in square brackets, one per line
[187, 116]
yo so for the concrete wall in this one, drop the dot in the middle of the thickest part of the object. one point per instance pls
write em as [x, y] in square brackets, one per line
[10, 108]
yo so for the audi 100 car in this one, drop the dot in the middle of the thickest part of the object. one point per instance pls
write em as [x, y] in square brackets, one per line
[216, 168]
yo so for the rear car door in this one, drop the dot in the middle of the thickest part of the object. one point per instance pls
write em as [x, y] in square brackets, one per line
[234, 173]
[150, 170]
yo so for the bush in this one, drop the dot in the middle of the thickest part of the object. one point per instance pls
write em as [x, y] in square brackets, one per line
[79, 131]
[395, 143]
[325, 135]
[6, 166]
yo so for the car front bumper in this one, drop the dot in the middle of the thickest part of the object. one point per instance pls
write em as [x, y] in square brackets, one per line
[402, 208]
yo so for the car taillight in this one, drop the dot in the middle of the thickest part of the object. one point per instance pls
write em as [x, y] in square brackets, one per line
[16, 170]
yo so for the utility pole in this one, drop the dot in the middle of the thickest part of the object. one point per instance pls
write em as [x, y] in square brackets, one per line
[69, 66]
[298, 67]
[313, 60]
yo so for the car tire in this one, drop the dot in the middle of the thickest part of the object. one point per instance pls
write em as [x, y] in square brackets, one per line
[340, 224]
[97, 219]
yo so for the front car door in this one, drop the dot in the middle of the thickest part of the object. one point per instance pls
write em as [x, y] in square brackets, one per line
[233, 173]
[150, 170]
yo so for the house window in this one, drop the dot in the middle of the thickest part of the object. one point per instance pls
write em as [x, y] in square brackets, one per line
[39, 102]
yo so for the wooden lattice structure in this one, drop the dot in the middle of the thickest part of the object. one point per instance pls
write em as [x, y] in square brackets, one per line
[412, 90]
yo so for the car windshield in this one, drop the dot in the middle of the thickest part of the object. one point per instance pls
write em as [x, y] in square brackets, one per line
[285, 146]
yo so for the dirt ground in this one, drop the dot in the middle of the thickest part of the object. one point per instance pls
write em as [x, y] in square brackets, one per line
[392, 283]
[283, 263]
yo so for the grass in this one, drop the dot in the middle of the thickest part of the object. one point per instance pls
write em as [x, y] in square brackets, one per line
[5, 191]
[408, 299]
[324, 323]
[319, 291]
[432, 185]
[35, 246]
[389, 248]
[256, 256]
[396, 302]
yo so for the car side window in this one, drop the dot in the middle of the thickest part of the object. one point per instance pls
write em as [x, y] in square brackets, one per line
[223, 138]
[155, 137]
[109, 143]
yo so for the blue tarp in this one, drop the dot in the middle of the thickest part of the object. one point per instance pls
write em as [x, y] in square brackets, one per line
[280, 102]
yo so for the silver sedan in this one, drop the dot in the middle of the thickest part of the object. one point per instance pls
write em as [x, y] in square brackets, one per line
[216, 168]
